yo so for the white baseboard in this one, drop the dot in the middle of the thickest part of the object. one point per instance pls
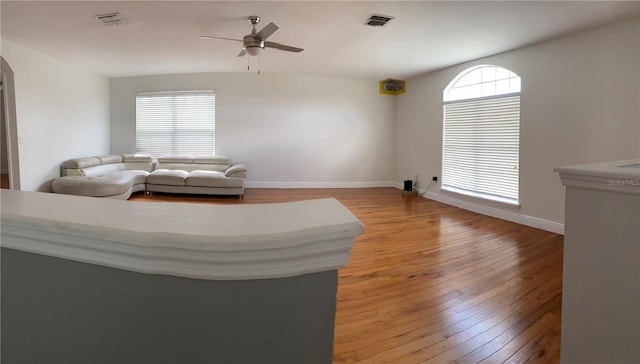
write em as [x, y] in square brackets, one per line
[266, 184]
[512, 216]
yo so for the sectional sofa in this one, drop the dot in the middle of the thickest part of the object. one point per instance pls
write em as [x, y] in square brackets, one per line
[118, 176]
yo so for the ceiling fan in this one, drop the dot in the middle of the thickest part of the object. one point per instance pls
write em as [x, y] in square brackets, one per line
[255, 42]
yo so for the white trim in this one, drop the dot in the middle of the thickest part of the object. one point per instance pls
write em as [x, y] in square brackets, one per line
[11, 124]
[168, 93]
[214, 242]
[363, 184]
[512, 216]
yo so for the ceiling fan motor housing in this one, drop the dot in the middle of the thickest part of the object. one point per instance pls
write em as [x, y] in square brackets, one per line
[250, 41]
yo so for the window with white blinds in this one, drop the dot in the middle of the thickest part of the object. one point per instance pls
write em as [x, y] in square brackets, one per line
[176, 122]
[481, 140]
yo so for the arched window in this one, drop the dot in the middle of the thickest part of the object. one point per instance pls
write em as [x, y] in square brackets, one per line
[481, 140]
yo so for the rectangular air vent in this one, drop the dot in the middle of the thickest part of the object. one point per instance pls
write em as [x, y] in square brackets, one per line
[111, 19]
[377, 20]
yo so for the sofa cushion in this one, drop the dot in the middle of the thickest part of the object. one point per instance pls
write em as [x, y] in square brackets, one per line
[136, 176]
[108, 159]
[102, 186]
[169, 177]
[140, 166]
[211, 159]
[72, 172]
[136, 157]
[138, 161]
[78, 163]
[102, 170]
[192, 166]
[211, 179]
[237, 170]
[175, 158]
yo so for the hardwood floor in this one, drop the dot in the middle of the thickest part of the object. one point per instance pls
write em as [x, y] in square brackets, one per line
[4, 180]
[431, 283]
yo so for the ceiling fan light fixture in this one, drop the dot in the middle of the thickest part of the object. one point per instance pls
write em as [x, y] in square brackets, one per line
[253, 51]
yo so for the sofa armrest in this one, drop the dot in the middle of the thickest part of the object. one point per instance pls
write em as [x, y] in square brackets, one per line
[236, 170]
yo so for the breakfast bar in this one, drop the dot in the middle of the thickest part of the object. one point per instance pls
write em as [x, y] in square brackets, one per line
[103, 281]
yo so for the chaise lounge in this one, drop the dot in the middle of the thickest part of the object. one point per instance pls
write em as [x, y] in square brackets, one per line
[111, 176]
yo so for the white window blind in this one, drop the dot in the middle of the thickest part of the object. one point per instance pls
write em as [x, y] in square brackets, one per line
[180, 122]
[481, 147]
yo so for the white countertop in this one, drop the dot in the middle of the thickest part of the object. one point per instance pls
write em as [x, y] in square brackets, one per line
[616, 176]
[191, 240]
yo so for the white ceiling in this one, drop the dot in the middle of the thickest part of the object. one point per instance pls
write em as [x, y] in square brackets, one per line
[163, 36]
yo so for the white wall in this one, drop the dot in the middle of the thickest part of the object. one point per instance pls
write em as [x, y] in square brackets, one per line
[292, 130]
[62, 112]
[579, 104]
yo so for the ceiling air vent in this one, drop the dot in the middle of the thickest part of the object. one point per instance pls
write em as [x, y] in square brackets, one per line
[111, 19]
[377, 20]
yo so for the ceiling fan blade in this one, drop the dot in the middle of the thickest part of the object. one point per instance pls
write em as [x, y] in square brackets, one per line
[242, 53]
[223, 38]
[283, 47]
[266, 31]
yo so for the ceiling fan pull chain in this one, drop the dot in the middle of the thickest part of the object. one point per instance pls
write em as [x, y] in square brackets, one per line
[259, 58]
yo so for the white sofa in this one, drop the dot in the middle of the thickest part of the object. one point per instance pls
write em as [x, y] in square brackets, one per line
[197, 174]
[118, 176]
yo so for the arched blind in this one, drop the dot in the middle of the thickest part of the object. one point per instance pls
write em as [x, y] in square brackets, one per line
[176, 122]
[481, 140]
